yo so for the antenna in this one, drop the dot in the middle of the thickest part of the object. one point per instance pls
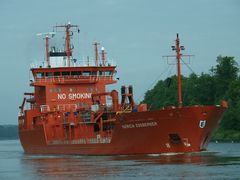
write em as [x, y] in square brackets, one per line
[103, 56]
[178, 48]
[67, 28]
[47, 36]
[96, 52]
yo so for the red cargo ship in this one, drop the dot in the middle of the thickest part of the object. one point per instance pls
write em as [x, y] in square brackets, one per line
[68, 112]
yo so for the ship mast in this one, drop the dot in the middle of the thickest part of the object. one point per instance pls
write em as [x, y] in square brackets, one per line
[178, 48]
[96, 52]
[47, 36]
[103, 56]
[46, 50]
[68, 33]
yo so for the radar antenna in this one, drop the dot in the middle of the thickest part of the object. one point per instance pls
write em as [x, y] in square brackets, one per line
[47, 36]
[67, 28]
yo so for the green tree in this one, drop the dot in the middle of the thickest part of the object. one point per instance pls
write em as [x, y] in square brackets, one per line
[225, 72]
[222, 83]
[231, 119]
[199, 90]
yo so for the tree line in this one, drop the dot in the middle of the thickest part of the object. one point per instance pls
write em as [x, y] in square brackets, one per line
[8, 132]
[222, 82]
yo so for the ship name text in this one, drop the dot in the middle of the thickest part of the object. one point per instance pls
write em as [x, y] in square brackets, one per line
[139, 125]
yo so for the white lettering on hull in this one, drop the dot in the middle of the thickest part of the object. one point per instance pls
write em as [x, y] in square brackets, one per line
[62, 96]
[139, 125]
[74, 96]
[98, 140]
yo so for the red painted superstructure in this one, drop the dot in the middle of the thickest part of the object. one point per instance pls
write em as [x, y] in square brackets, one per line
[70, 112]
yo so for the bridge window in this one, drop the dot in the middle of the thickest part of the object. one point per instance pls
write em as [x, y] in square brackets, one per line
[75, 73]
[66, 73]
[94, 73]
[39, 75]
[86, 73]
[108, 73]
[49, 74]
[100, 73]
[56, 74]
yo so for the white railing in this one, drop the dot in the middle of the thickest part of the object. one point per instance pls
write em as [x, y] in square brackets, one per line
[80, 63]
[76, 78]
[60, 107]
[37, 64]
[71, 107]
[44, 108]
[86, 63]
[67, 107]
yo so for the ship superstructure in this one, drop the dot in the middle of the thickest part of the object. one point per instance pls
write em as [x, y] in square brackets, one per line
[69, 113]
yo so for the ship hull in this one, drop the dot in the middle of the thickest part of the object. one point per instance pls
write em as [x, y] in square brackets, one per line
[173, 130]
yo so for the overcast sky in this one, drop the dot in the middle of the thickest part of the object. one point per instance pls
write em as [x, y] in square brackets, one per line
[135, 33]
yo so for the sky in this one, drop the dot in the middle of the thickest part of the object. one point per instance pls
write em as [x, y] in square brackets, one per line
[135, 34]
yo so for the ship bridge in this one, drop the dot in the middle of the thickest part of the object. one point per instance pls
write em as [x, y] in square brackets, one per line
[74, 75]
[59, 69]
[71, 84]
[63, 80]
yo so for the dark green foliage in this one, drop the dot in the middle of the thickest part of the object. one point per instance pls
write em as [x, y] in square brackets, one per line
[231, 120]
[199, 90]
[161, 94]
[222, 83]
[8, 132]
[226, 135]
[225, 72]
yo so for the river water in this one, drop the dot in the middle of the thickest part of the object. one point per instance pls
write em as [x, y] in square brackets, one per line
[221, 161]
